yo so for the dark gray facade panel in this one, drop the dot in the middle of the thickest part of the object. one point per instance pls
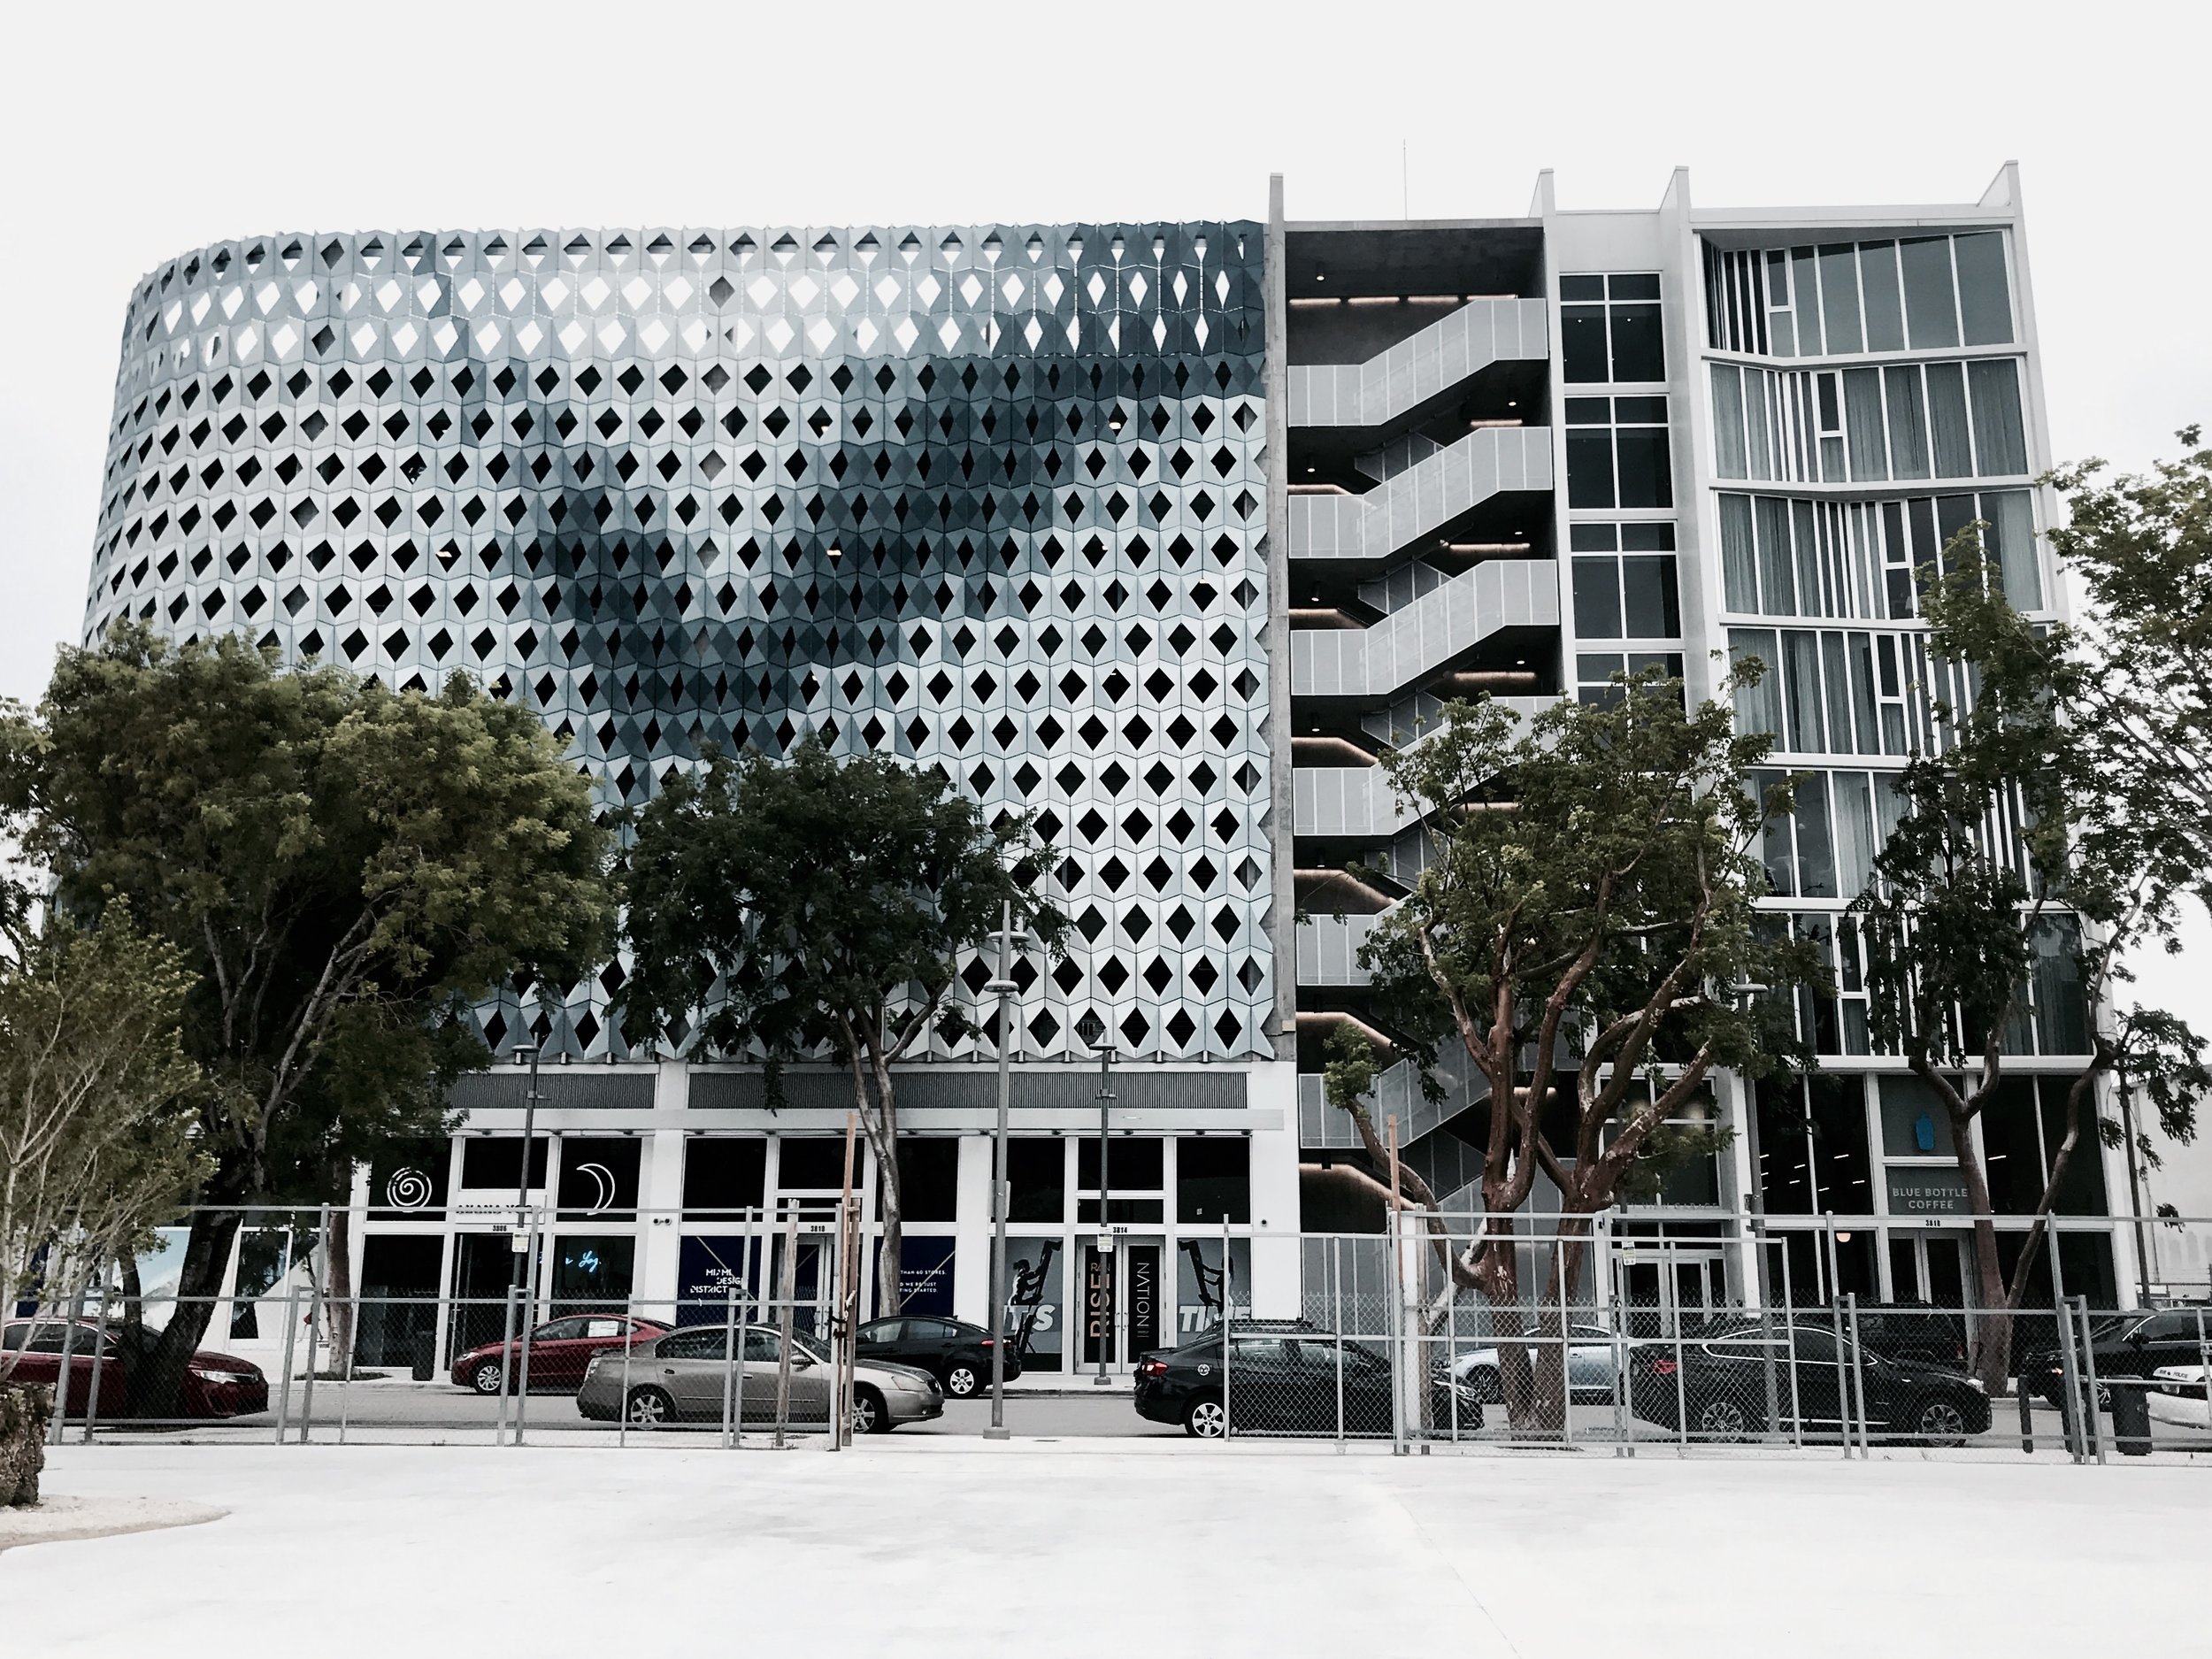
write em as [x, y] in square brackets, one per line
[1075, 1089]
[576, 1090]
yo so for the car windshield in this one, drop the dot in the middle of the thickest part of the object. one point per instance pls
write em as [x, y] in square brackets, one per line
[809, 1347]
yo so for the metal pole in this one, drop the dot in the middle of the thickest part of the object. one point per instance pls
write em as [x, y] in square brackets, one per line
[530, 1309]
[1228, 1315]
[786, 1293]
[1843, 1382]
[1858, 1371]
[2069, 1364]
[1106, 1263]
[1670, 1310]
[345, 1394]
[842, 1329]
[315, 1268]
[729, 1358]
[629, 1341]
[291, 1335]
[2094, 1423]
[73, 1309]
[1004, 988]
[99, 1365]
[737, 1433]
[1789, 1337]
[1336, 1318]
[1397, 1298]
[506, 1363]
[1566, 1351]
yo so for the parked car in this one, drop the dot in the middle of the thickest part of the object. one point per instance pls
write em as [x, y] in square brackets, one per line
[1917, 1333]
[1740, 1381]
[1590, 1355]
[681, 1375]
[2122, 1345]
[956, 1354]
[560, 1352]
[2177, 1395]
[215, 1384]
[1281, 1377]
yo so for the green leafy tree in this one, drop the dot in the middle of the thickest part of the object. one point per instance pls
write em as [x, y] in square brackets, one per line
[819, 906]
[97, 1098]
[2138, 668]
[1585, 929]
[1981, 938]
[340, 866]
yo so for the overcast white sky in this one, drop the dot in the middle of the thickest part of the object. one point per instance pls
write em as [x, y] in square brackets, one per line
[129, 133]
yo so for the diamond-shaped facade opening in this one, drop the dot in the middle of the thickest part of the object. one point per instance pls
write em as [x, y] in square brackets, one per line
[665, 495]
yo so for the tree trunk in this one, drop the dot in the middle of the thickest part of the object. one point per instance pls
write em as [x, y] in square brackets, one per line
[338, 1291]
[24, 1412]
[157, 1385]
[1498, 1276]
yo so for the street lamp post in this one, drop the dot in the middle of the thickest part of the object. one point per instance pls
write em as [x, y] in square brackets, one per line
[1093, 1030]
[1004, 988]
[523, 1239]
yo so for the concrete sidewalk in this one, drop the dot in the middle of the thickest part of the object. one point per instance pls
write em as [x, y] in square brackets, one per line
[929, 1549]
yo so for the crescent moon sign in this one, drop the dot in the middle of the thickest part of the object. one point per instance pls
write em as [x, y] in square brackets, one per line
[603, 1182]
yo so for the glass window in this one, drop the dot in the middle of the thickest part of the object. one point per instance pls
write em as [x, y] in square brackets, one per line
[1947, 421]
[1646, 472]
[1862, 403]
[1582, 288]
[1036, 1170]
[1885, 305]
[1638, 349]
[1758, 707]
[1931, 308]
[1805, 283]
[1213, 1179]
[1597, 598]
[724, 1172]
[1840, 298]
[1582, 349]
[2011, 539]
[558, 1331]
[1590, 468]
[1728, 421]
[1984, 305]
[597, 1329]
[929, 1178]
[701, 1343]
[1908, 423]
[2000, 445]
[1740, 579]
[1650, 603]
[760, 1346]
[1136, 1164]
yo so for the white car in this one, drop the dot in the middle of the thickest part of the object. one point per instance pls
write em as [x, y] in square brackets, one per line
[2178, 1396]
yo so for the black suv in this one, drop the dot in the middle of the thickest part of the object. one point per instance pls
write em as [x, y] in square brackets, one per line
[1283, 1377]
[2120, 1345]
[1753, 1378]
[956, 1352]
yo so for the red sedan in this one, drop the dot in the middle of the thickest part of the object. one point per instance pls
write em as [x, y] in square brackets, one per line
[215, 1384]
[561, 1350]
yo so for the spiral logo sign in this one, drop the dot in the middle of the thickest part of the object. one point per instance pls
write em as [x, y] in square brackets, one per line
[408, 1190]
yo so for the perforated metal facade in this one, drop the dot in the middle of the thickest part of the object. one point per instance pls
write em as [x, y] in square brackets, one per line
[987, 498]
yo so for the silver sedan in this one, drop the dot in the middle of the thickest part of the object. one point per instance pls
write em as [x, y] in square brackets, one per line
[683, 1376]
[1590, 1367]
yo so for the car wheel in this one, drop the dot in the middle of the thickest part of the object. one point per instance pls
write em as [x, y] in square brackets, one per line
[963, 1380]
[1724, 1420]
[869, 1416]
[1205, 1420]
[1940, 1423]
[486, 1378]
[650, 1408]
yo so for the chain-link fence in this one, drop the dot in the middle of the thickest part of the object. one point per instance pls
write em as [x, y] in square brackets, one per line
[1625, 1331]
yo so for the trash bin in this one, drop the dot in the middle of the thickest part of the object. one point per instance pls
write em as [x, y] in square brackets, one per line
[2131, 1418]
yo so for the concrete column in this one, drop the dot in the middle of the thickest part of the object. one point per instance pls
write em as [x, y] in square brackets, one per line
[1277, 1290]
[661, 1193]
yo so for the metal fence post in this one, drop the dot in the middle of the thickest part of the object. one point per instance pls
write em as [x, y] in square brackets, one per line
[71, 1310]
[1336, 1318]
[629, 1343]
[345, 1392]
[2070, 1382]
[291, 1334]
[729, 1358]
[1843, 1378]
[530, 1317]
[316, 1259]
[1566, 1350]
[2089, 1406]
[1670, 1296]
[506, 1364]
[99, 1366]
[1858, 1370]
[1228, 1315]
[1789, 1349]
